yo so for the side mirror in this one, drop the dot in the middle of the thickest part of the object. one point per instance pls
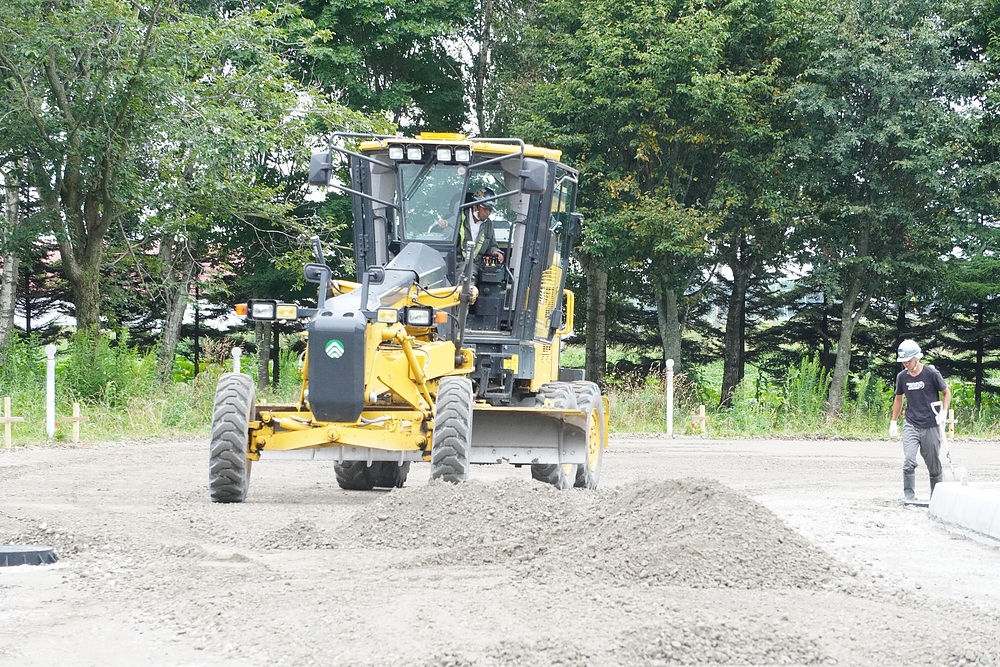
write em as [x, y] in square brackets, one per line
[575, 225]
[314, 273]
[317, 248]
[532, 175]
[320, 166]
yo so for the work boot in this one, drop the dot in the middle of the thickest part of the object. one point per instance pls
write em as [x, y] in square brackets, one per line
[934, 480]
[909, 484]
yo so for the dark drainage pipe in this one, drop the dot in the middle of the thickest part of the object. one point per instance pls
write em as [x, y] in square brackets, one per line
[24, 554]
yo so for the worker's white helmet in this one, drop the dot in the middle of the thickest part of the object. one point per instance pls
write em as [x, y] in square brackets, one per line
[908, 349]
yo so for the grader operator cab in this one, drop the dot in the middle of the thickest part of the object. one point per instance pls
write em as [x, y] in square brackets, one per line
[433, 353]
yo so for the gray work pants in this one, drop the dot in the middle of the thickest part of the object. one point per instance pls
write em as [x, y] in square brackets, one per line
[925, 440]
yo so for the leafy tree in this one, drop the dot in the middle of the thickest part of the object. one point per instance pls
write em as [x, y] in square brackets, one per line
[149, 134]
[80, 95]
[394, 57]
[495, 47]
[235, 163]
[966, 315]
[886, 137]
[619, 91]
[750, 112]
[972, 328]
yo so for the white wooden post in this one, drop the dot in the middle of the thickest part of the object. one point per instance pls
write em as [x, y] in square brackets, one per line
[76, 419]
[670, 397]
[237, 352]
[7, 419]
[50, 390]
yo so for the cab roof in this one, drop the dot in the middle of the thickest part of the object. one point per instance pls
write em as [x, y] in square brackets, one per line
[456, 139]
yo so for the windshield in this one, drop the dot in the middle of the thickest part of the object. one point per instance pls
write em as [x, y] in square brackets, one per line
[432, 194]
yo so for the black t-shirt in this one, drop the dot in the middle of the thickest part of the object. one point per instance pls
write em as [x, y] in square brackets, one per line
[921, 390]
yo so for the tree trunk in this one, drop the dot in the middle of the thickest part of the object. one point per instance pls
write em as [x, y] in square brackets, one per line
[852, 311]
[178, 268]
[482, 65]
[597, 319]
[980, 355]
[11, 264]
[80, 223]
[669, 322]
[733, 355]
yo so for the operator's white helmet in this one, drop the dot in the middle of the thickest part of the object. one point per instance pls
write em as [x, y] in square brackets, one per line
[908, 349]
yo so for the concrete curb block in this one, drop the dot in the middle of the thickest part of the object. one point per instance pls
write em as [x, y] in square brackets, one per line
[975, 507]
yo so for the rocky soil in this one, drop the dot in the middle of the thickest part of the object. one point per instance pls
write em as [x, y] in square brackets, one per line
[692, 552]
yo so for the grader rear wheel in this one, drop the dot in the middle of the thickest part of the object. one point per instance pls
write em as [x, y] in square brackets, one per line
[561, 476]
[354, 475]
[228, 465]
[390, 475]
[452, 430]
[588, 400]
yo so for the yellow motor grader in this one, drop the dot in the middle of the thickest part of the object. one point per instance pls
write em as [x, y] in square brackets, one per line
[432, 354]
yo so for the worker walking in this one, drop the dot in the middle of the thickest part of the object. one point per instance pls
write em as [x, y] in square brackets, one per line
[923, 385]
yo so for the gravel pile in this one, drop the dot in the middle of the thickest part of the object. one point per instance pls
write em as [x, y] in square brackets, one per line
[690, 532]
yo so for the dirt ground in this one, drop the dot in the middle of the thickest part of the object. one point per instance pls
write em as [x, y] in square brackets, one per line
[692, 552]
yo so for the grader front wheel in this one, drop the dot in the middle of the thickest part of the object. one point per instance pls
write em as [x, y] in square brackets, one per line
[561, 396]
[588, 400]
[452, 438]
[228, 465]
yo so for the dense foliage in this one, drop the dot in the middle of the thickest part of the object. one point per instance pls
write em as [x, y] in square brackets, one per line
[773, 189]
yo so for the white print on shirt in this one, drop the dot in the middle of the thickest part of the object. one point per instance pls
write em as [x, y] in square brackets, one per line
[914, 386]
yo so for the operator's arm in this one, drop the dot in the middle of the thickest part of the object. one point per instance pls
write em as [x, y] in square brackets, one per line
[897, 407]
[945, 399]
[492, 249]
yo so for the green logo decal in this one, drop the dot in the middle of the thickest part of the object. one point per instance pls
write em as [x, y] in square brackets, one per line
[335, 349]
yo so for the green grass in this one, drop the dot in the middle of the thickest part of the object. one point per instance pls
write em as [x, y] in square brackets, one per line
[118, 392]
[122, 398]
[792, 406]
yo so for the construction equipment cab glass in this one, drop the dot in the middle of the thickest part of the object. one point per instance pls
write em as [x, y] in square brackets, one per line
[432, 190]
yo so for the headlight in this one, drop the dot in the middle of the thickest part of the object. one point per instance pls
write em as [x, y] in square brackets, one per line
[263, 310]
[444, 154]
[463, 155]
[419, 317]
[287, 311]
[415, 153]
[387, 315]
[396, 152]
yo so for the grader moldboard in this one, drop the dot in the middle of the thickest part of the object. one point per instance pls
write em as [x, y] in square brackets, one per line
[427, 357]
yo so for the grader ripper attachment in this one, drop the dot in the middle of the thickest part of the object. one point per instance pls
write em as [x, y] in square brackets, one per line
[427, 356]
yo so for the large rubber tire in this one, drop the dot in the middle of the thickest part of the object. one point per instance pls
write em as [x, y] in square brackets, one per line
[390, 475]
[452, 439]
[228, 465]
[588, 400]
[355, 475]
[562, 397]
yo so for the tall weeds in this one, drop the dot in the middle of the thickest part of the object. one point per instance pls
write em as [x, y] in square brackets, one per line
[794, 405]
[118, 390]
[122, 398]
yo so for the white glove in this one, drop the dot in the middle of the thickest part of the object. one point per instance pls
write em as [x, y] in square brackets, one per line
[893, 430]
[939, 418]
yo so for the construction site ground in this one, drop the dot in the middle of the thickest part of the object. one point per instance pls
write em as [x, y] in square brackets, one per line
[692, 552]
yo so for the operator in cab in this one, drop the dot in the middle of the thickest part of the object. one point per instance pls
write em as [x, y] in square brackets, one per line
[476, 225]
